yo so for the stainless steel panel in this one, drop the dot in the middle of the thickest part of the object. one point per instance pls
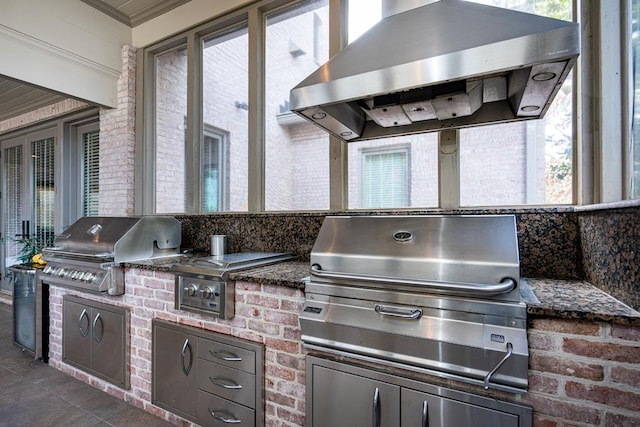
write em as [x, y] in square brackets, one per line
[429, 47]
[446, 406]
[26, 331]
[214, 411]
[95, 339]
[419, 409]
[76, 333]
[231, 384]
[205, 294]
[469, 250]
[339, 398]
[119, 239]
[228, 355]
[174, 370]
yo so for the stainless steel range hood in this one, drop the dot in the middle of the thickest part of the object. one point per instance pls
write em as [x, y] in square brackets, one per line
[444, 65]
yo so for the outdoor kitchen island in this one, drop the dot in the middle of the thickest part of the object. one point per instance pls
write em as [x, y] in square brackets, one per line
[583, 344]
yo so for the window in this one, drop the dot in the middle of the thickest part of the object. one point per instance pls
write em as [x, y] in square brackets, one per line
[242, 66]
[215, 193]
[170, 141]
[527, 162]
[225, 104]
[296, 152]
[385, 178]
[90, 173]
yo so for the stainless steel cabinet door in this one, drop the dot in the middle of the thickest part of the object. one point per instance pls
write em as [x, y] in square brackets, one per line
[76, 334]
[108, 345]
[428, 410]
[341, 399]
[174, 382]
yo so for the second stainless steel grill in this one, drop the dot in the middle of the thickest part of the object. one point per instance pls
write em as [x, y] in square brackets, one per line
[430, 293]
[87, 255]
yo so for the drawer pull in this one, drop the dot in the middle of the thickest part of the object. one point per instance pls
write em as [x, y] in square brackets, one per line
[224, 416]
[227, 356]
[225, 383]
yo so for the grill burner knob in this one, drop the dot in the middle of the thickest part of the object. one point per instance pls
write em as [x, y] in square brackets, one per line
[48, 269]
[88, 277]
[206, 293]
[60, 272]
[190, 290]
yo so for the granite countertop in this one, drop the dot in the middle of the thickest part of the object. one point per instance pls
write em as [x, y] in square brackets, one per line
[566, 299]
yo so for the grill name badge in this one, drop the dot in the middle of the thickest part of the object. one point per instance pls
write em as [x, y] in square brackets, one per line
[497, 338]
[402, 236]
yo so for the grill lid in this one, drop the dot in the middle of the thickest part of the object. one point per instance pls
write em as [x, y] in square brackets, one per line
[463, 255]
[119, 238]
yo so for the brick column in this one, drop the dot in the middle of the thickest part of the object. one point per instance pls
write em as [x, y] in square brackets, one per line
[117, 143]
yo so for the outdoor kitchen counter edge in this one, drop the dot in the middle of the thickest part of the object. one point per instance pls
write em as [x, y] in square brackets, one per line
[565, 299]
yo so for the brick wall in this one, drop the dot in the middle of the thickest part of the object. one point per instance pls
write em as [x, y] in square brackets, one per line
[265, 314]
[117, 144]
[584, 373]
[42, 114]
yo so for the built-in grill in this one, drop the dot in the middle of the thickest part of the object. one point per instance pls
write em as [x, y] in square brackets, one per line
[87, 255]
[436, 294]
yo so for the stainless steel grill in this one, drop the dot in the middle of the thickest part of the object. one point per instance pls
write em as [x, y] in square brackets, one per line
[87, 255]
[429, 293]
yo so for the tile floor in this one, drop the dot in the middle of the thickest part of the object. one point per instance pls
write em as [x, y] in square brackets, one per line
[33, 394]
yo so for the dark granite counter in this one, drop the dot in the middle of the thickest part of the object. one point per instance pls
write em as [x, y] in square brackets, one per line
[566, 299]
[570, 299]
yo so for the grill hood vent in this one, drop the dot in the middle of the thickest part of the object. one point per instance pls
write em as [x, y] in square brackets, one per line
[449, 64]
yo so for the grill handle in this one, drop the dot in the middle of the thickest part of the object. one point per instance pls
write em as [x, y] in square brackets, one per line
[487, 379]
[403, 313]
[504, 286]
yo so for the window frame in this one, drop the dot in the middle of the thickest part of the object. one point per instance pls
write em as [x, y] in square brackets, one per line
[600, 143]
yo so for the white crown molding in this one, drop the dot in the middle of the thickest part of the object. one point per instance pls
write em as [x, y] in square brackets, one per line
[40, 63]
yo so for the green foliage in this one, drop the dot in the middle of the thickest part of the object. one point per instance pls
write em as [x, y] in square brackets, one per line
[29, 247]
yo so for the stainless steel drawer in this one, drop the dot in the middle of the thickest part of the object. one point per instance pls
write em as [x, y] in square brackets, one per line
[228, 383]
[228, 355]
[214, 411]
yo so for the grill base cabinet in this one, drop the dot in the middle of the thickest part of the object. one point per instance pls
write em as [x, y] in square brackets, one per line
[95, 339]
[344, 395]
[206, 377]
[175, 382]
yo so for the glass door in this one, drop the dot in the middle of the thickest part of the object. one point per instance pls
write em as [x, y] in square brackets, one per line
[28, 198]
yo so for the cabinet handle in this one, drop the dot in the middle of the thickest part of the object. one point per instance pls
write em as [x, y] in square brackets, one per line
[225, 383]
[227, 356]
[183, 352]
[425, 414]
[84, 332]
[97, 338]
[223, 416]
[376, 408]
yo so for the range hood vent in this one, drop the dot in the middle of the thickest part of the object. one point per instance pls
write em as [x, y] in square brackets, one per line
[449, 64]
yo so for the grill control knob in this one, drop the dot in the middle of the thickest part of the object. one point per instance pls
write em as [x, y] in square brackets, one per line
[88, 277]
[48, 269]
[61, 271]
[206, 292]
[190, 290]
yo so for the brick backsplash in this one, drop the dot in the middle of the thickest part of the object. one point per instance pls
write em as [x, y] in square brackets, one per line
[584, 373]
